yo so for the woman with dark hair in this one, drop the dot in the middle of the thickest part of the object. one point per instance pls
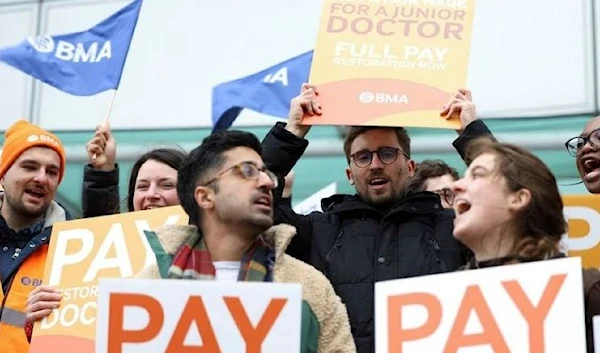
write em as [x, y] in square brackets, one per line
[509, 210]
[152, 183]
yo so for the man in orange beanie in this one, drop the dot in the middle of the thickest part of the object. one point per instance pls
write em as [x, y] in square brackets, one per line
[32, 165]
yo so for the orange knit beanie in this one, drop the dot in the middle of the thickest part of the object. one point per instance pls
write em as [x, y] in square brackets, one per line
[22, 136]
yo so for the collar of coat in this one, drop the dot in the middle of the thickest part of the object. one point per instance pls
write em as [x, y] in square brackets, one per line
[173, 236]
[418, 203]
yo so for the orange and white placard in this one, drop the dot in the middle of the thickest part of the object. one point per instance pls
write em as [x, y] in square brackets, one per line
[80, 253]
[583, 238]
[390, 62]
[533, 307]
[140, 316]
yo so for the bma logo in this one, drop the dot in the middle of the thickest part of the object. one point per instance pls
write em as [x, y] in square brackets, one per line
[75, 52]
[43, 44]
[385, 98]
[26, 281]
[44, 138]
[280, 76]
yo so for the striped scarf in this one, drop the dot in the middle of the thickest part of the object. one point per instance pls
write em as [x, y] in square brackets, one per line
[193, 261]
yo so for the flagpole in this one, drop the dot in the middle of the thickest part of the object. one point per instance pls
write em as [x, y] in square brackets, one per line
[112, 100]
[107, 116]
[110, 107]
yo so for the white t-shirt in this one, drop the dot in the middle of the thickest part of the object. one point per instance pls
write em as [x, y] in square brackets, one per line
[227, 270]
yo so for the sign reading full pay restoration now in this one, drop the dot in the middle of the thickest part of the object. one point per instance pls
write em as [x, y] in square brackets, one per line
[390, 63]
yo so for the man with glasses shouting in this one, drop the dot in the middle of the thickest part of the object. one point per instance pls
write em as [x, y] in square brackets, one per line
[226, 190]
[382, 232]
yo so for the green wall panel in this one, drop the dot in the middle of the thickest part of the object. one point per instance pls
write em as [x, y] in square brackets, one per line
[313, 172]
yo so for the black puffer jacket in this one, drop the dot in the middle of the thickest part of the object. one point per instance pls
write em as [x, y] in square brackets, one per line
[356, 245]
[100, 192]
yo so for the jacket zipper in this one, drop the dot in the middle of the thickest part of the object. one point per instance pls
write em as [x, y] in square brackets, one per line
[438, 251]
[336, 244]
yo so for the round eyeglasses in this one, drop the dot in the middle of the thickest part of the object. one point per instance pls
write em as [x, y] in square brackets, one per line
[249, 171]
[446, 194]
[386, 155]
[575, 144]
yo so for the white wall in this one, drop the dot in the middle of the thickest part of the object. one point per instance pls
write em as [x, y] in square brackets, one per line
[532, 58]
[17, 21]
[529, 58]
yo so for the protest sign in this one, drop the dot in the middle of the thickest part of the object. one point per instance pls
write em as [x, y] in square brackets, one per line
[533, 307]
[596, 324]
[583, 238]
[140, 316]
[390, 63]
[80, 253]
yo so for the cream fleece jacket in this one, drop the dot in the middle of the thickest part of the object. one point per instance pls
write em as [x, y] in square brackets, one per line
[334, 333]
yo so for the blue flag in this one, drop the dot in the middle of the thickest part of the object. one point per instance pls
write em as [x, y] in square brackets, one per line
[83, 63]
[269, 91]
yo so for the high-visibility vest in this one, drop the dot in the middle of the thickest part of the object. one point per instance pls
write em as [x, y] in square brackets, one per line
[12, 310]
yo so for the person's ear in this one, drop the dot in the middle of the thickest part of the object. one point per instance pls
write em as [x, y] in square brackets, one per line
[349, 175]
[519, 200]
[410, 164]
[205, 197]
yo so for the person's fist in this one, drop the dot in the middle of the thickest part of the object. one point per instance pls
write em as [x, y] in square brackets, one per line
[102, 149]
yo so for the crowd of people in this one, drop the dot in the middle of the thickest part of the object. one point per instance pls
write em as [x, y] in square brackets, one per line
[406, 219]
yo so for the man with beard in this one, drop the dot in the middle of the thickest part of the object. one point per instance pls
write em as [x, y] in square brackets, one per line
[226, 190]
[382, 232]
[31, 167]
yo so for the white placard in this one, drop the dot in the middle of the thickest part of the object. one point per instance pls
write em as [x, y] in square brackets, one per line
[534, 307]
[596, 323]
[313, 202]
[140, 316]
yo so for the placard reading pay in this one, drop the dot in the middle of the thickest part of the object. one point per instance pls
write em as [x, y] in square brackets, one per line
[83, 251]
[140, 316]
[535, 307]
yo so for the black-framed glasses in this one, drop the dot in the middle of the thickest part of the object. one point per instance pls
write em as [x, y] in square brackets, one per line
[387, 155]
[575, 144]
[249, 171]
[446, 194]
